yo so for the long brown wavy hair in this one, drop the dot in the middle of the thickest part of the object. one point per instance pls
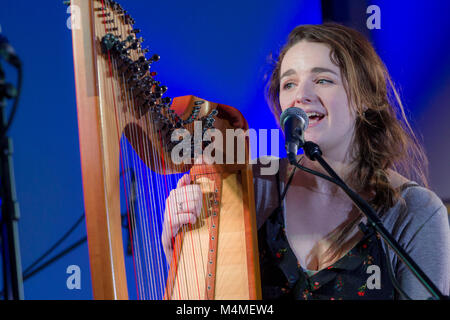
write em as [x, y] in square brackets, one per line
[383, 137]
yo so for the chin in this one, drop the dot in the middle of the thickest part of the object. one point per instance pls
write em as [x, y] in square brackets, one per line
[316, 138]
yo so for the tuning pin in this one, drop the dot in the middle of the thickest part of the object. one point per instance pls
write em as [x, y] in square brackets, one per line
[108, 42]
[163, 89]
[133, 80]
[119, 48]
[155, 57]
[125, 64]
[147, 80]
[143, 93]
[127, 19]
[144, 63]
[151, 103]
[166, 100]
[133, 46]
[156, 95]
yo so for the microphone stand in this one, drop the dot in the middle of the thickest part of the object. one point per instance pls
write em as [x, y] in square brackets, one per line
[12, 267]
[313, 152]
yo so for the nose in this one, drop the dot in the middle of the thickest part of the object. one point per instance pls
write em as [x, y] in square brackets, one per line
[305, 94]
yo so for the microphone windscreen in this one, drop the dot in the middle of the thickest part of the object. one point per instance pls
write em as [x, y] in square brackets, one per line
[294, 112]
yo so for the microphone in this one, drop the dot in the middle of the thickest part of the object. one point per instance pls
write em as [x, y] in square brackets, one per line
[7, 52]
[294, 122]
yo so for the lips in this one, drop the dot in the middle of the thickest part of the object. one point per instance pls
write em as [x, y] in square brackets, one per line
[314, 118]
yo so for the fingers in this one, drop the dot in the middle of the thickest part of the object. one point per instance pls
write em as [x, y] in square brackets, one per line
[177, 222]
[170, 229]
[183, 206]
[184, 199]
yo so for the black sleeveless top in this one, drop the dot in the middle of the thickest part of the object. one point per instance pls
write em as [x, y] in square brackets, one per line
[361, 274]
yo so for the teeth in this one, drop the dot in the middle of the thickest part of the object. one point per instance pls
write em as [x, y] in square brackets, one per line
[313, 114]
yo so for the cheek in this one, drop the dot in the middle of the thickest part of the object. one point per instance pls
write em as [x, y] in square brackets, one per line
[284, 101]
[339, 109]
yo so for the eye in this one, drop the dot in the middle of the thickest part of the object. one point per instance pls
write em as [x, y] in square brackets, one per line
[287, 85]
[323, 81]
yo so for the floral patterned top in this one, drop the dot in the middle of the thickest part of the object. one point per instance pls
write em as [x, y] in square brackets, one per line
[361, 274]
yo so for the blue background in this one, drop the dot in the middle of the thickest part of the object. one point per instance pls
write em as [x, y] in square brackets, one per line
[217, 50]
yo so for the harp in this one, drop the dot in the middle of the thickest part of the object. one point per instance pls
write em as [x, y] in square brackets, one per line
[125, 124]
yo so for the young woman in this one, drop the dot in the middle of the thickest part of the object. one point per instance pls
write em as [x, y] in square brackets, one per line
[310, 240]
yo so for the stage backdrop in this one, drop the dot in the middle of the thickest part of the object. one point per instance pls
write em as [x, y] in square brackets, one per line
[217, 50]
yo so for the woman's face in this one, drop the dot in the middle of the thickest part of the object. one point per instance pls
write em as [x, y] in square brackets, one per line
[310, 81]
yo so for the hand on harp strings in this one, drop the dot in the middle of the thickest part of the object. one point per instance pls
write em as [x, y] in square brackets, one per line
[184, 207]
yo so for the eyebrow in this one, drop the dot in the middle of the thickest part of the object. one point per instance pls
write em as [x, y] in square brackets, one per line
[313, 70]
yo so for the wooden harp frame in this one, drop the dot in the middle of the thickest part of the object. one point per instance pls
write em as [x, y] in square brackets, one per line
[99, 136]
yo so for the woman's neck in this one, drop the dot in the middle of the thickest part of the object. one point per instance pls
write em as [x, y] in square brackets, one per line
[315, 183]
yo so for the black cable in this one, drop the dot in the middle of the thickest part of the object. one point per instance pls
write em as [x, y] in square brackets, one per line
[341, 184]
[391, 274]
[28, 275]
[297, 164]
[80, 219]
[29, 272]
[55, 258]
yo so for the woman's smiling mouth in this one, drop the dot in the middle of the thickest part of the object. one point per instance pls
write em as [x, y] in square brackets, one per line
[314, 118]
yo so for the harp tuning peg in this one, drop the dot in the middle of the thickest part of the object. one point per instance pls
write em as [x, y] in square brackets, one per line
[163, 89]
[166, 100]
[127, 19]
[155, 57]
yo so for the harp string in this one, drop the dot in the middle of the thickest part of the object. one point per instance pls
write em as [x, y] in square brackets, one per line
[148, 277]
[151, 249]
[148, 289]
[109, 66]
[129, 160]
[195, 236]
[147, 253]
[191, 234]
[175, 258]
[150, 215]
[161, 200]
